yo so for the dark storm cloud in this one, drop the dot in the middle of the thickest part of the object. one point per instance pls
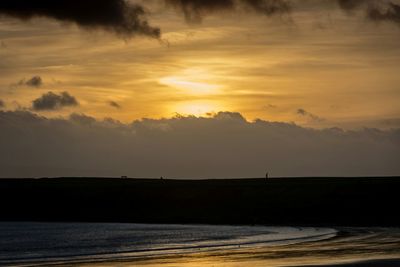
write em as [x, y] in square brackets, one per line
[35, 81]
[268, 7]
[225, 145]
[52, 101]
[305, 113]
[119, 16]
[194, 10]
[114, 104]
[127, 19]
[375, 10]
[350, 5]
[391, 13]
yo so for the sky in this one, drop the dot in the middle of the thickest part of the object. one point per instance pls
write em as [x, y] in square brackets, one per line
[199, 89]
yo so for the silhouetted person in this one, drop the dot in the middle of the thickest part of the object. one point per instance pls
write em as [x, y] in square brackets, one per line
[266, 175]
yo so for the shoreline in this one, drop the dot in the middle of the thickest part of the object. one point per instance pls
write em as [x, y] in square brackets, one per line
[395, 262]
[350, 247]
[243, 259]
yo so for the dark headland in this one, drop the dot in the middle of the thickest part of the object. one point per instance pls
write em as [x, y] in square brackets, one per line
[369, 201]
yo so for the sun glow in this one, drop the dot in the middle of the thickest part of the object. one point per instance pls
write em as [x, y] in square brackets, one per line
[192, 81]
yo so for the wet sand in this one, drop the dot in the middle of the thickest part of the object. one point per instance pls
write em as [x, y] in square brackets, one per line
[246, 261]
[285, 256]
[350, 247]
[370, 263]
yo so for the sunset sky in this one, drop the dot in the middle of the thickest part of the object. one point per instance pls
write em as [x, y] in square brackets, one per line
[307, 64]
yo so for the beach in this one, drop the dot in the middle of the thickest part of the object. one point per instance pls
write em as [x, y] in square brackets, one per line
[256, 258]
[105, 244]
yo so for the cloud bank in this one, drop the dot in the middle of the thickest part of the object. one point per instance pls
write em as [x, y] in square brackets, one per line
[194, 10]
[123, 17]
[127, 19]
[119, 16]
[225, 145]
[375, 10]
[52, 101]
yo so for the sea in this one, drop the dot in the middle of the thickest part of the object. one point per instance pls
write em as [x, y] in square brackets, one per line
[46, 244]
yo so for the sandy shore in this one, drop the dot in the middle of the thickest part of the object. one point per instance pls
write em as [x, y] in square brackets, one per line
[370, 263]
[209, 262]
[261, 257]
[351, 247]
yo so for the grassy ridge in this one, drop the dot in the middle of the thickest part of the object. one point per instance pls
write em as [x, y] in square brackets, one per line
[288, 201]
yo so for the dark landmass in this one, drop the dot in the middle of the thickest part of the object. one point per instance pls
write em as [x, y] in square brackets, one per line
[283, 201]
